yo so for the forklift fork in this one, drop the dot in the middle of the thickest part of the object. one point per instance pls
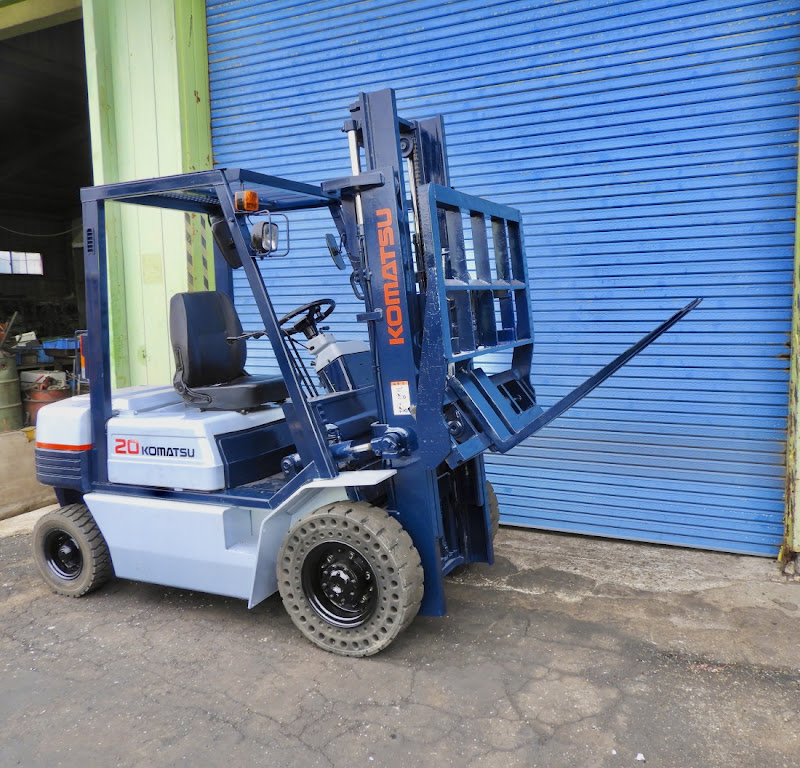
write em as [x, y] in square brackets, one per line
[489, 403]
[478, 305]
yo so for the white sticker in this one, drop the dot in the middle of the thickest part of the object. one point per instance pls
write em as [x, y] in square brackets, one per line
[401, 398]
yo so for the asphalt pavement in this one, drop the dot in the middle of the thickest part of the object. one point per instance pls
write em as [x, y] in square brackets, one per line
[569, 651]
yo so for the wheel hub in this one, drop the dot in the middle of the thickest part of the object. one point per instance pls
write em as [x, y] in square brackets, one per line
[344, 585]
[339, 584]
[63, 555]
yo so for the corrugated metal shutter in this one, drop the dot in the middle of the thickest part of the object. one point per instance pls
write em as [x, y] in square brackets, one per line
[651, 146]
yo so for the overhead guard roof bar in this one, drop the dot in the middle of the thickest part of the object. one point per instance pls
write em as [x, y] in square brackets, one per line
[196, 192]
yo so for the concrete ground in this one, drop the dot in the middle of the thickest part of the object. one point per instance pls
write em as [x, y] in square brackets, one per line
[570, 651]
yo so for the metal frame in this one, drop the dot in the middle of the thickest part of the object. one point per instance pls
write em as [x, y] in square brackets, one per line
[200, 192]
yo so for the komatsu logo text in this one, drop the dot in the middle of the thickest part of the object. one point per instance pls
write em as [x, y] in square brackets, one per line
[391, 283]
[125, 447]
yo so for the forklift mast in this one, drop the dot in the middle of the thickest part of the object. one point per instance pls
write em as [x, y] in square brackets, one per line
[395, 163]
[439, 300]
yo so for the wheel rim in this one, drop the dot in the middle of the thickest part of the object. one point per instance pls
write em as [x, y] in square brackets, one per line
[63, 555]
[339, 584]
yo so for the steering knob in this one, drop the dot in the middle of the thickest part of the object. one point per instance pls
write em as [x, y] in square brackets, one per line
[310, 315]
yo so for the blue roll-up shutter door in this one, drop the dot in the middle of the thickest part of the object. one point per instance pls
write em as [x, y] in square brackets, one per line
[651, 147]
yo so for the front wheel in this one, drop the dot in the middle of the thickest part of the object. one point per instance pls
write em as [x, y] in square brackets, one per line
[70, 551]
[350, 578]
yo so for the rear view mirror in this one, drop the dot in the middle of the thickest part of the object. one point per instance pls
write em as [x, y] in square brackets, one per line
[224, 241]
[335, 249]
[264, 237]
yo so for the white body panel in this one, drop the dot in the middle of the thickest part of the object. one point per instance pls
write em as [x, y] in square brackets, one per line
[66, 422]
[175, 446]
[175, 543]
[69, 422]
[154, 439]
[216, 548]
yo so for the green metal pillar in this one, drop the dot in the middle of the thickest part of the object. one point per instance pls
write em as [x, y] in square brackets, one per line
[147, 72]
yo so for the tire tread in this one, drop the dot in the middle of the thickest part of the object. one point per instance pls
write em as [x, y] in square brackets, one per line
[97, 558]
[395, 540]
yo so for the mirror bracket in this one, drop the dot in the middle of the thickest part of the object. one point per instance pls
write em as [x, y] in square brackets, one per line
[264, 237]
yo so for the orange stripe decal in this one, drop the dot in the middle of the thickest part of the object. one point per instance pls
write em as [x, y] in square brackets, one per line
[57, 447]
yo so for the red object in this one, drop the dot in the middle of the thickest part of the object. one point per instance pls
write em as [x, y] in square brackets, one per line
[36, 398]
[59, 447]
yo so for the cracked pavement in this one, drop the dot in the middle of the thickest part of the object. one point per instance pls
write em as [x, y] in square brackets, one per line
[570, 651]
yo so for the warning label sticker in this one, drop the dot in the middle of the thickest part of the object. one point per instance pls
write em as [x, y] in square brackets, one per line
[401, 398]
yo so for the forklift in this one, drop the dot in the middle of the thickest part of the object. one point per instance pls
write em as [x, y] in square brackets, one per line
[353, 482]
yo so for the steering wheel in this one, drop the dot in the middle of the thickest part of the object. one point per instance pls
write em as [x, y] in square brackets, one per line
[312, 313]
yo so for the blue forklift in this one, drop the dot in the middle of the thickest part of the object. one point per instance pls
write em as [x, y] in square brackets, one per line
[354, 481]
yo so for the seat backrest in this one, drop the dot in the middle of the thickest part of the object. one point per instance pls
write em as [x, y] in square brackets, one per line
[200, 325]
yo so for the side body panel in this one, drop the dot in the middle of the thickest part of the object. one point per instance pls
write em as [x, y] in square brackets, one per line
[216, 548]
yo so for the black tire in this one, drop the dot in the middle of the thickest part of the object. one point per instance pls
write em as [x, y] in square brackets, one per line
[494, 509]
[350, 578]
[70, 551]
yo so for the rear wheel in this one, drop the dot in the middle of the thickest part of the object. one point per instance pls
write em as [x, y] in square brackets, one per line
[350, 578]
[70, 551]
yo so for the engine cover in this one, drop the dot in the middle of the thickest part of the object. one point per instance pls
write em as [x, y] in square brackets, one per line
[175, 445]
[154, 439]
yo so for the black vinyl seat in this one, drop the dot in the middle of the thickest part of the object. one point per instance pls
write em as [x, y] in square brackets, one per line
[209, 367]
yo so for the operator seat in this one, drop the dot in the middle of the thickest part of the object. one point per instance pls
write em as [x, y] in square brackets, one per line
[209, 358]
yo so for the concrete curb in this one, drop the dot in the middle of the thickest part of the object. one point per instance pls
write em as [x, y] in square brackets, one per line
[23, 524]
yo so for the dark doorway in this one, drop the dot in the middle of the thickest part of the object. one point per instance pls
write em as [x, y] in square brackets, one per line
[44, 133]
